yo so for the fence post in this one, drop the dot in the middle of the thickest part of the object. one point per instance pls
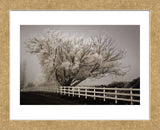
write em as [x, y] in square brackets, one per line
[61, 90]
[104, 99]
[79, 92]
[131, 96]
[85, 92]
[73, 91]
[64, 90]
[94, 94]
[115, 95]
[68, 91]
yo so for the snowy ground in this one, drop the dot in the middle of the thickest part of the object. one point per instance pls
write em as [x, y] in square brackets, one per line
[40, 89]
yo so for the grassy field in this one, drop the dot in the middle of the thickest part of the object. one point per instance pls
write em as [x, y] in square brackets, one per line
[47, 98]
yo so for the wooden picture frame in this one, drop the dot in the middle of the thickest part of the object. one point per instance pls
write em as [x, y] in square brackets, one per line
[152, 5]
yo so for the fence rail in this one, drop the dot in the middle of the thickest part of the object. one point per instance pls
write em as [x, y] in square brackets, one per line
[126, 94]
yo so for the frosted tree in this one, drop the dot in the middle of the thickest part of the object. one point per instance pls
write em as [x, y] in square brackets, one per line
[71, 60]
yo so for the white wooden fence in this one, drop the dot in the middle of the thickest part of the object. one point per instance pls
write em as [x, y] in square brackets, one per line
[101, 92]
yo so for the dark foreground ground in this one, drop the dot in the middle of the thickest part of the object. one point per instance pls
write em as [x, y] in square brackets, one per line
[44, 98]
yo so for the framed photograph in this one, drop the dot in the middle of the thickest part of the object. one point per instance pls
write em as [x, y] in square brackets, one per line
[90, 68]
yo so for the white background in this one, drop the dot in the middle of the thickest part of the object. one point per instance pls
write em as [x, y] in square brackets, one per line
[78, 112]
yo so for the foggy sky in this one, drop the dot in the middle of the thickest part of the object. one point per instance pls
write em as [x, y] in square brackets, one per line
[125, 36]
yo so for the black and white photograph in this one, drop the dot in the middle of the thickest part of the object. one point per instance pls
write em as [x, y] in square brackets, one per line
[79, 64]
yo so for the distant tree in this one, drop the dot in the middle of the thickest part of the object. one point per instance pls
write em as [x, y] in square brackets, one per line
[30, 84]
[22, 74]
[71, 60]
[135, 83]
